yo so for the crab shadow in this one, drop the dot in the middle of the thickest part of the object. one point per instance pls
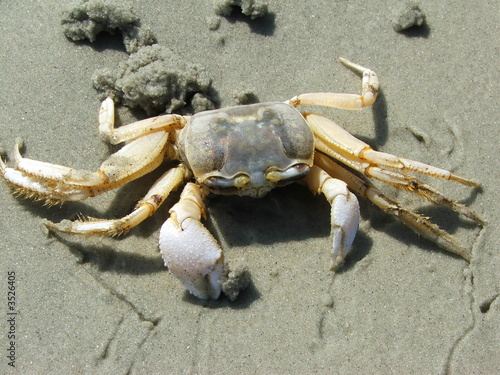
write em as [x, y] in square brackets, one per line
[106, 258]
[286, 214]
[379, 114]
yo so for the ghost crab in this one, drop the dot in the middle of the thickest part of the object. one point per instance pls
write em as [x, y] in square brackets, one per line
[244, 150]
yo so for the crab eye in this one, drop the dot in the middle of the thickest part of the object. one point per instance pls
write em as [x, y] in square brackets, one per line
[294, 173]
[226, 185]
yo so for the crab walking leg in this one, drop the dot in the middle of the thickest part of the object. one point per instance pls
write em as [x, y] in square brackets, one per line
[413, 185]
[341, 145]
[190, 252]
[416, 222]
[42, 180]
[402, 181]
[369, 92]
[351, 147]
[136, 129]
[344, 213]
[145, 207]
[37, 189]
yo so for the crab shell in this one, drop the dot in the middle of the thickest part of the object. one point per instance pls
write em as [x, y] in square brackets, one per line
[247, 150]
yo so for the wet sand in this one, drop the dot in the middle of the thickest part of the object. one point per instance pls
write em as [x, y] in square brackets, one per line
[401, 305]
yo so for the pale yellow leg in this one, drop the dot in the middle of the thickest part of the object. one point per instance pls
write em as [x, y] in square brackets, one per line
[351, 147]
[416, 222]
[56, 183]
[145, 207]
[341, 145]
[369, 91]
[135, 129]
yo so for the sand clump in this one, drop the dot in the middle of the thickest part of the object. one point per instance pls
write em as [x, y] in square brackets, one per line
[154, 78]
[407, 15]
[89, 18]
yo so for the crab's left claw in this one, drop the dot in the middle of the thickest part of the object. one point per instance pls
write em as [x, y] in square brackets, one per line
[190, 252]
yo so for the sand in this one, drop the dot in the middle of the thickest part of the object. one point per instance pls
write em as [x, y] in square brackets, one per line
[401, 305]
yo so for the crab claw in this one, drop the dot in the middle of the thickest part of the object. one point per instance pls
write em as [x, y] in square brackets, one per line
[190, 252]
[345, 221]
[344, 213]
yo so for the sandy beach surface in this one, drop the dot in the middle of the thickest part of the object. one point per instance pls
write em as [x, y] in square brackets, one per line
[400, 306]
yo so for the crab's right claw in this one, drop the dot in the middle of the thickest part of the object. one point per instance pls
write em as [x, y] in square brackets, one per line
[190, 252]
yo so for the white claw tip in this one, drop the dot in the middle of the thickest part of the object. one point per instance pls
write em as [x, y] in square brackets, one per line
[193, 256]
